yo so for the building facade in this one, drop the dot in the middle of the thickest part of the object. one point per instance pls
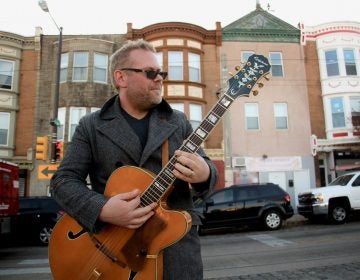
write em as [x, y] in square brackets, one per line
[19, 64]
[333, 66]
[267, 137]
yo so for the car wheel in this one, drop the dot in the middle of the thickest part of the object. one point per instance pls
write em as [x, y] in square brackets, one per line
[338, 214]
[44, 234]
[272, 220]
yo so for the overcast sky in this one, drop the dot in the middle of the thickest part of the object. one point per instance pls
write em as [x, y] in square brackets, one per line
[111, 16]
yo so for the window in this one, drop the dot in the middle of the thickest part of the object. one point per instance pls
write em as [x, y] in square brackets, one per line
[350, 65]
[4, 128]
[61, 127]
[100, 68]
[223, 196]
[195, 115]
[332, 66]
[194, 68]
[6, 74]
[80, 68]
[276, 64]
[355, 111]
[281, 115]
[252, 115]
[337, 112]
[75, 115]
[64, 67]
[175, 66]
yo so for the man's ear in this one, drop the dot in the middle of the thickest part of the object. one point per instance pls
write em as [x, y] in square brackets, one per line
[119, 79]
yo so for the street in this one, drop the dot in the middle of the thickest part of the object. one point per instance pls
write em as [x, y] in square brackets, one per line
[310, 251]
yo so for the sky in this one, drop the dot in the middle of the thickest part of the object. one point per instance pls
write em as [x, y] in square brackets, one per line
[111, 16]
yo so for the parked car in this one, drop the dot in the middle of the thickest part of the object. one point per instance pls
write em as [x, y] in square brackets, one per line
[267, 205]
[36, 219]
[334, 202]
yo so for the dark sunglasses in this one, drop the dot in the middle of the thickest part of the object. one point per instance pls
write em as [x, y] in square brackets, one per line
[150, 74]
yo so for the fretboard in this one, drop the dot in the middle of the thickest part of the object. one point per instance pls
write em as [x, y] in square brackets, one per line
[163, 181]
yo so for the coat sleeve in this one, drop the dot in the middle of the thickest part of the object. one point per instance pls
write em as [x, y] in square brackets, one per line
[68, 185]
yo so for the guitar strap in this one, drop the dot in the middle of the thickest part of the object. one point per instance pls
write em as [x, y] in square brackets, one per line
[165, 152]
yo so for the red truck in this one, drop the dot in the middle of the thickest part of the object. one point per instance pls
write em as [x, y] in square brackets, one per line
[9, 194]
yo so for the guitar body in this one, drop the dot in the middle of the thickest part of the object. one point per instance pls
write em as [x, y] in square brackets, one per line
[117, 252]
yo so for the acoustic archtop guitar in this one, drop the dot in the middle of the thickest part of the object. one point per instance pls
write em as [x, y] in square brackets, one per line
[120, 253]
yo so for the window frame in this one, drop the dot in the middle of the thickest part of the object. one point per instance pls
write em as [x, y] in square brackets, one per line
[82, 112]
[195, 115]
[83, 67]
[64, 66]
[331, 62]
[102, 68]
[280, 114]
[341, 114]
[249, 114]
[6, 127]
[350, 65]
[194, 67]
[275, 65]
[11, 72]
[176, 68]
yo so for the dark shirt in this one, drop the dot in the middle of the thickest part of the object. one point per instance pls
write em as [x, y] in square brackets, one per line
[140, 127]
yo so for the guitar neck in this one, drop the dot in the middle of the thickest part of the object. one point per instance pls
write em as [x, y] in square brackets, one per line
[240, 84]
[162, 182]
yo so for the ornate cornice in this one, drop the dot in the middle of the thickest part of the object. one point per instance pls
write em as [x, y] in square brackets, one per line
[17, 40]
[260, 26]
[176, 29]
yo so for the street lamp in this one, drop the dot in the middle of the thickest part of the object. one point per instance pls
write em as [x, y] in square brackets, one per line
[54, 122]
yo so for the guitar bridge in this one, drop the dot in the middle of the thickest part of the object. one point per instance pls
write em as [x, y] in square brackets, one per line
[106, 252]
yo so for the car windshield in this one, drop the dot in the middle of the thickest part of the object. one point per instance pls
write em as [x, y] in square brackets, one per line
[342, 180]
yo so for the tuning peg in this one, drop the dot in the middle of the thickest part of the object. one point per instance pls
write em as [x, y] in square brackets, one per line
[266, 77]
[237, 68]
[260, 85]
[231, 74]
[255, 92]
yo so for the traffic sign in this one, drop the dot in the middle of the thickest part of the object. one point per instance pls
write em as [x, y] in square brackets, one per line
[46, 171]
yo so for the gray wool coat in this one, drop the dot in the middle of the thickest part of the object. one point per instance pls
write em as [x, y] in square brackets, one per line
[104, 141]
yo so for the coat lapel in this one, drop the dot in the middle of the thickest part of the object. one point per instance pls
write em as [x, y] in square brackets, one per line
[159, 131]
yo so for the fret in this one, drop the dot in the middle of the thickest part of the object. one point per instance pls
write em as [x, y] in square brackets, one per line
[164, 178]
[144, 199]
[208, 125]
[152, 194]
[201, 133]
[190, 146]
[168, 173]
[196, 139]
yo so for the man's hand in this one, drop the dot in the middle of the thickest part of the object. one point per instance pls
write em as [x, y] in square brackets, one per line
[123, 210]
[191, 168]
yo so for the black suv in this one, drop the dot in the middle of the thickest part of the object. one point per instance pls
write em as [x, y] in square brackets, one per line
[264, 204]
[36, 219]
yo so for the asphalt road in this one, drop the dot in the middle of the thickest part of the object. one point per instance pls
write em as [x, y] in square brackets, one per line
[299, 251]
[309, 251]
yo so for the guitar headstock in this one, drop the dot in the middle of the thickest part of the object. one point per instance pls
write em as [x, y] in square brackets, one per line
[255, 69]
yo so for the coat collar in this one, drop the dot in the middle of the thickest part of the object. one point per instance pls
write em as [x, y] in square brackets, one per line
[161, 126]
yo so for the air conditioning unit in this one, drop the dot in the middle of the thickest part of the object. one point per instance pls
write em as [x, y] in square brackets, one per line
[238, 161]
